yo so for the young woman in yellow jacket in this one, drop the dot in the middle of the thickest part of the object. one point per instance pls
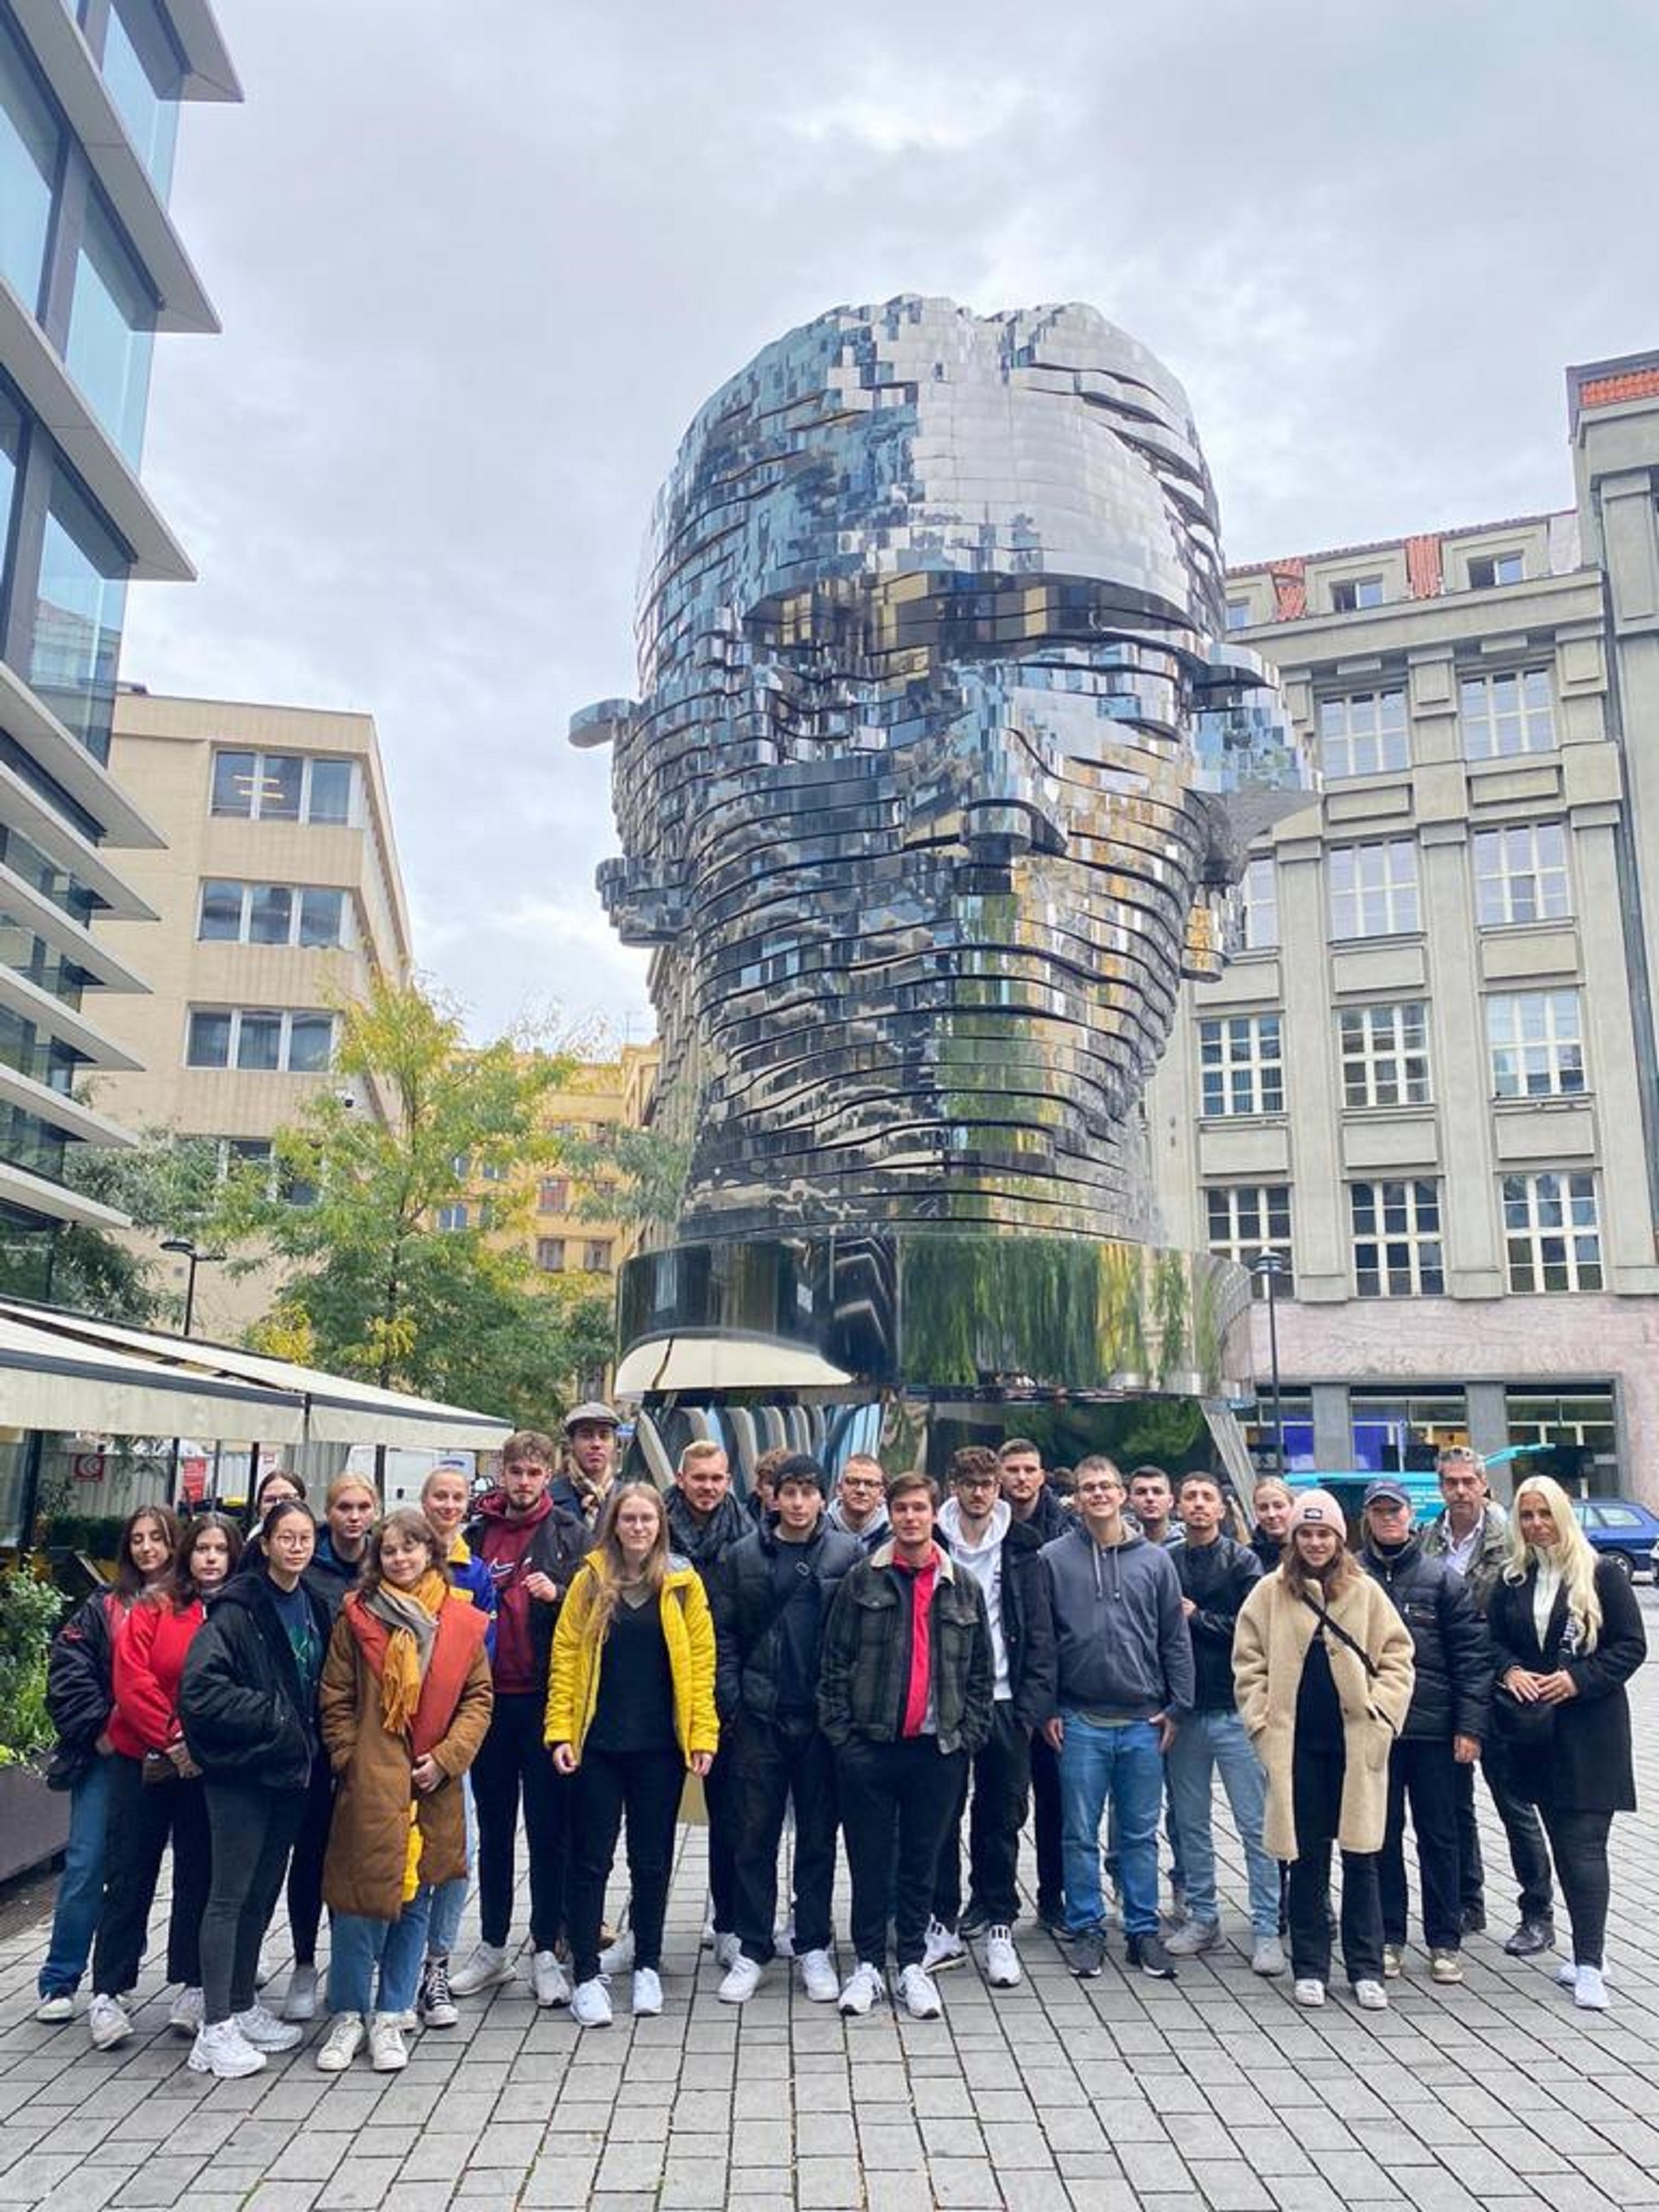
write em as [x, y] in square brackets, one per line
[630, 1709]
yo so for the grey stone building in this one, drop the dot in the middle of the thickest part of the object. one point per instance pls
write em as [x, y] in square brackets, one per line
[1427, 1078]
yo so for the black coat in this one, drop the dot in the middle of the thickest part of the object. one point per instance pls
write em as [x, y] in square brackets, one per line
[79, 1694]
[244, 1713]
[1217, 1578]
[749, 1626]
[329, 1577]
[1048, 1517]
[562, 1540]
[701, 1543]
[1454, 1691]
[1579, 1761]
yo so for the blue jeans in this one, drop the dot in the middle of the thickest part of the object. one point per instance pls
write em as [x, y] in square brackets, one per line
[1123, 1765]
[449, 1899]
[80, 1885]
[1206, 1745]
[357, 1946]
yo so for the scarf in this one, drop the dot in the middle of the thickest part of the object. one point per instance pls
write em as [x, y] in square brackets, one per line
[412, 1617]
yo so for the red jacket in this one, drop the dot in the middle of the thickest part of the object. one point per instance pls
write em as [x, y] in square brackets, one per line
[150, 1646]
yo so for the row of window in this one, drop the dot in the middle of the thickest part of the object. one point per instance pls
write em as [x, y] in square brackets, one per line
[1552, 1233]
[555, 1255]
[1352, 594]
[1366, 732]
[273, 913]
[1535, 1044]
[285, 787]
[1373, 889]
[259, 1038]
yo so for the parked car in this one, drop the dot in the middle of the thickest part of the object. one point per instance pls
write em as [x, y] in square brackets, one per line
[1621, 1530]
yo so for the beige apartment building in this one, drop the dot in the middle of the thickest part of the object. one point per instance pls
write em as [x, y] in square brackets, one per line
[278, 893]
[1428, 1079]
[562, 1230]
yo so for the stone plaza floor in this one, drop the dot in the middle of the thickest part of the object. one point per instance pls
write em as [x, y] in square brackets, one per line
[1212, 2091]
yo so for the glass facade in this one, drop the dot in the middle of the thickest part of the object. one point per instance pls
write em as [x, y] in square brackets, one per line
[29, 147]
[111, 327]
[77, 616]
[142, 73]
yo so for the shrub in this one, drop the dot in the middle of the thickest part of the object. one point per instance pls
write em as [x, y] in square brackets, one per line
[29, 1613]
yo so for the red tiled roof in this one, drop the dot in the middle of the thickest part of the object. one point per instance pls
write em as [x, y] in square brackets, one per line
[1424, 577]
[1289, 589]
[1607, 391]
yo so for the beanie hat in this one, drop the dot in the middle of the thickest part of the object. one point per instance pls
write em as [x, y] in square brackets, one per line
[1317, 1509]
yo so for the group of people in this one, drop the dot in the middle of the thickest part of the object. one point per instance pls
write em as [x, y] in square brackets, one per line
[365, 1708]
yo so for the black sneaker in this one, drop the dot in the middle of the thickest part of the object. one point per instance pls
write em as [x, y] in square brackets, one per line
[1472, 1920]
[1531, 1937]
[1147, 1953]
[1087, 1953]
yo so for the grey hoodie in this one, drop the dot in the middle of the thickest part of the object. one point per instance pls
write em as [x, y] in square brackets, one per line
[1120, 1635]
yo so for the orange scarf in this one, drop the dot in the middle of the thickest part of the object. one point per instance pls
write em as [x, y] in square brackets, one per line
[407, 1651]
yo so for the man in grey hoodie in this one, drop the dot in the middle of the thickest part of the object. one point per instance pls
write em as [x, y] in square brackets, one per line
[860, 1505]
[1124, 1661]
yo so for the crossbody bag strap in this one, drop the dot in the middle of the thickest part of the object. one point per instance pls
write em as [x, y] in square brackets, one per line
[1342, 1635]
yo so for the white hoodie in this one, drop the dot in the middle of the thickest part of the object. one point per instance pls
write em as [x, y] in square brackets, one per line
[984, 1563]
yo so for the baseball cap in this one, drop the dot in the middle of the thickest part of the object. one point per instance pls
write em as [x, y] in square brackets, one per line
[592, 1411]
[1387, 1493]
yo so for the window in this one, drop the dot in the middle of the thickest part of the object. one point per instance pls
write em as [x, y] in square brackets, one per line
[1373, 888]
[1552, 1234]
[1521, 874]
[79, 610]
[29, 162]
[553, 1196]
[111, 327]
[1258, 905]
[282, 787]
[1396, 1432]
[143, 74]
[1505, 714]
[272, 913]
[256, 1152]
[1384, 1054]
[452, 1217]
[1241, 1065]
[259, 1038]
[1536, 1044]
[549, 1255]
[1238, 614]
[596, 1256]
[1248, 1219]
[1486, 569]
[1397, 1240]
[1355, 593]
[1363, 734]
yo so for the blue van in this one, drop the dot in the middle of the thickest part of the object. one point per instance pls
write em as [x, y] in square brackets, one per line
[1348, 1488]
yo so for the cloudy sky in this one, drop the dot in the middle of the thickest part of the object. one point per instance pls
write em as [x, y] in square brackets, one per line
[477, 266]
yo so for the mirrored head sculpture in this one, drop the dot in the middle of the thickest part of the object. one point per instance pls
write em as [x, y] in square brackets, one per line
[940, 769]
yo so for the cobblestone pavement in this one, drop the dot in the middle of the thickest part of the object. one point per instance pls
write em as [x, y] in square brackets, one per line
[1211, 2091]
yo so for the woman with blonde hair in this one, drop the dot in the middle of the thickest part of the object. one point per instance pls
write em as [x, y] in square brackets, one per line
[630, 1709]
[1271, 1503]
[1324, 1672]
[1566, 1637]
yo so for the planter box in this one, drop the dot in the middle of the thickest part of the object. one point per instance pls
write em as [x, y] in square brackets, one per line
[33, 1821]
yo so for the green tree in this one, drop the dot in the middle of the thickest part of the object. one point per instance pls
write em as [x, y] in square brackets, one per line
[169, 1185]
[389, 1282]
[636, 1176]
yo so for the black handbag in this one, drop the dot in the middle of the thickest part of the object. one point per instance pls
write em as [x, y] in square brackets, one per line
[1522, 1727]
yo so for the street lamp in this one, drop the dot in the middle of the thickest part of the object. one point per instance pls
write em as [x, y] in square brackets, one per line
[1269, 1267]
[196, 1259]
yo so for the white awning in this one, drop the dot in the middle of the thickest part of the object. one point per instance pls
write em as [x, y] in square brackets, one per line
[60, 1370]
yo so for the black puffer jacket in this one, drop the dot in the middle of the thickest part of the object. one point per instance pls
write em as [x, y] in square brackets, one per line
[1217, 1578]
[751, 1622]
[78, 1688]
[245, 1716]
[700, 1542]
[1454, 1653]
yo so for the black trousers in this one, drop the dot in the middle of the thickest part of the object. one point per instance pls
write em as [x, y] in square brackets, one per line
[144, 1818]
[897, 1803]
[723, 1855]
[770, 1767]
[1579, 1843]
[1422, 1771]
[253, 1831]
[305, 1867]
[1045, 1825]
[1528, 1854]
[646, 1786]
[1316, 1800]
[514, 1761]
[1002, 1784]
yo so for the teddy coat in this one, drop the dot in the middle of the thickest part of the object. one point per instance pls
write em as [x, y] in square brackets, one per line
[1270, 1646]
[578, 1655]
[368, 1842]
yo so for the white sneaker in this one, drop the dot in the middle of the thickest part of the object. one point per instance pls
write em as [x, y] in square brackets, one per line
[107, 2024]
[1371, 1997]
[552, 1983]
[1309, 1994]
[743, 1980]
[1002, 1966]
[818, 1977]
[617, 1958]
[1589, 1990]
[388, 2053]
[187, 2015]
[266, 2032]
[222, 2050]
[1566, 1975]
[484, 1967]
[863, 1988]
[944, 1948]
[264, 1969]
[920, 1998]
[301, 2002]
[53, 2011]
[646, 1997]
[590, 2004]
[345, 2040]
[728, 1950]
[1266, 1955]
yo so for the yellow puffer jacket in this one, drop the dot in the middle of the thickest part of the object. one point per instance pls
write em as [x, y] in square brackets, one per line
[578, 1655]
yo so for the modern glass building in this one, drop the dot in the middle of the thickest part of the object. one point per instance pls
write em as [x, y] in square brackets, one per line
[90, 269]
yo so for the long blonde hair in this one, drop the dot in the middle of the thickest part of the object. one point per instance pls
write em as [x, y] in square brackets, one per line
[606, 1563]
[1572, 1553]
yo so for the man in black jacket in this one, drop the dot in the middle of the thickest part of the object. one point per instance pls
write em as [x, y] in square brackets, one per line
[771, 1594]
[1033, 1504]
[1444, 1729]
[1005, 1558]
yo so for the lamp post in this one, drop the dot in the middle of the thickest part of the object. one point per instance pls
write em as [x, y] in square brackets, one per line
[187, 1247]
[1269, 1267]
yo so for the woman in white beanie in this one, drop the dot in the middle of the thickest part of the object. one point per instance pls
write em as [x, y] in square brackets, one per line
[1322, 1665]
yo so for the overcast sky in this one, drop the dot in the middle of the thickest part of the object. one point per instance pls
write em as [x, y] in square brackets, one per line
[478, 263]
